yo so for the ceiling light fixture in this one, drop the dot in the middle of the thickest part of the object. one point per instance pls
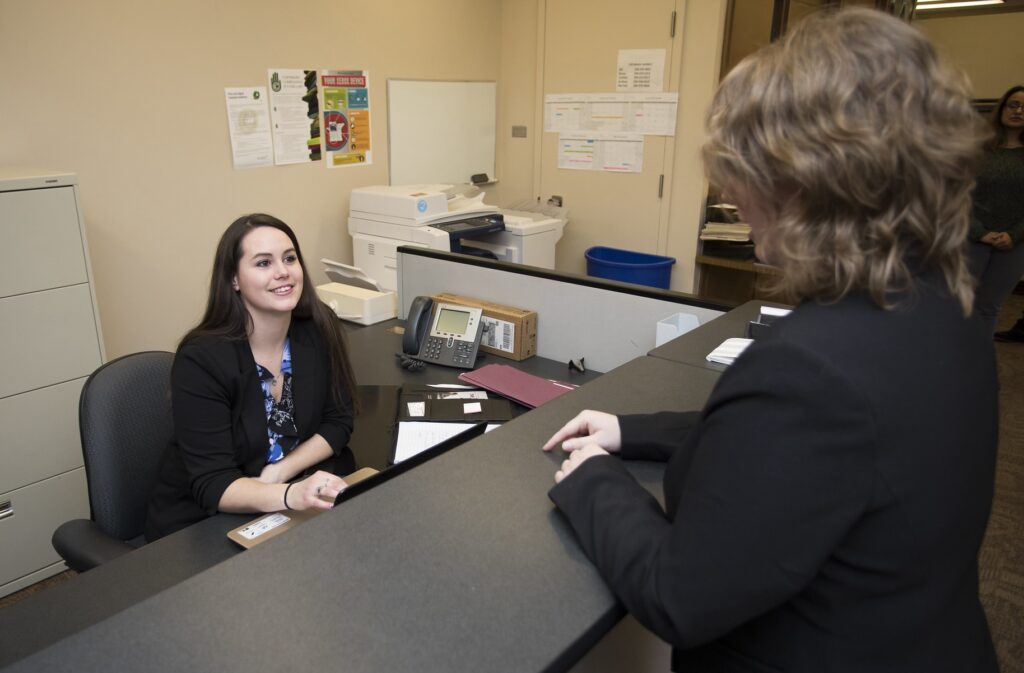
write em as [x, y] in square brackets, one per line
[924, 5]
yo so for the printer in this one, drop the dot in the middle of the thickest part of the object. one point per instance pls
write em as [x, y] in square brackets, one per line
[382, 218]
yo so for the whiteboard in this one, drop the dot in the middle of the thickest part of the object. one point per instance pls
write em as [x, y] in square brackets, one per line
[440, 132]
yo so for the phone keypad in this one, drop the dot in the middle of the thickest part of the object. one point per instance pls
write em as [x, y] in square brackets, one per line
[432, 349]
[463, 353]
[458, 353]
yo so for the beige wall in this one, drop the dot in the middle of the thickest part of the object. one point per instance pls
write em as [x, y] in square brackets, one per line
[518, 103]
[986, 47]
[130, 95]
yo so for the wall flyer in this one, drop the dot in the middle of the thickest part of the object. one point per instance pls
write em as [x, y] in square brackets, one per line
[294, 115]
[346, 117]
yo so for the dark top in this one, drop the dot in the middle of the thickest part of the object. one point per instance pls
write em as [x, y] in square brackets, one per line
[220, 423]
[825, 509]
[997, 195]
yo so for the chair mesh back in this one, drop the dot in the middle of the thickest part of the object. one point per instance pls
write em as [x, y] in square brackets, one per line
[125, 421]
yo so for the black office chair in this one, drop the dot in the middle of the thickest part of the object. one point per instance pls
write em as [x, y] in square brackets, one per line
[124, 415]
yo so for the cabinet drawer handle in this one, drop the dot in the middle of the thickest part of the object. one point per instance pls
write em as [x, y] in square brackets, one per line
[6, 509]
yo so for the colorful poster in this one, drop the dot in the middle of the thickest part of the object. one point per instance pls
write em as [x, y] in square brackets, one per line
[294, 115]
[249, 126]
[346, 117]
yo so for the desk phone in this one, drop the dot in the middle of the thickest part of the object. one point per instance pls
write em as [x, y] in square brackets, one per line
[442, 333]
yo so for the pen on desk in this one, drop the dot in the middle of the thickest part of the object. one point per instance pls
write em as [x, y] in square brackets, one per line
[562, 385]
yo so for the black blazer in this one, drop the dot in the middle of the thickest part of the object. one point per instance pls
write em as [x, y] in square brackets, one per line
[825, 509]
[220, 424]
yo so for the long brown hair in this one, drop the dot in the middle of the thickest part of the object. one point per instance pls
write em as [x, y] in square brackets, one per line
[227, 317]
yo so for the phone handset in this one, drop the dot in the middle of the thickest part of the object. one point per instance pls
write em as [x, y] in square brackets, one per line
[443, 333]
[416, 324]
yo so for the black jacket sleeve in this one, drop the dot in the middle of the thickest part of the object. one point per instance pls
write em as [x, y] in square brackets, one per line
[332, 419]
[336, 421]
[655, 436]
[203, 388]
[774, 474]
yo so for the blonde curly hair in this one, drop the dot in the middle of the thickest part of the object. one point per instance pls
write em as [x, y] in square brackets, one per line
[860, 146]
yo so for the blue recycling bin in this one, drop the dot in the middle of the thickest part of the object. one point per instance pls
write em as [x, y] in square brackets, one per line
[629, 267]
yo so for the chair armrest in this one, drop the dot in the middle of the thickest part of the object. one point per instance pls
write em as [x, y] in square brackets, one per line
[83, 545]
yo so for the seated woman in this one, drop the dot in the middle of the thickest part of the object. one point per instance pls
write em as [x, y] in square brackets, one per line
[261, 388]
[824, 511]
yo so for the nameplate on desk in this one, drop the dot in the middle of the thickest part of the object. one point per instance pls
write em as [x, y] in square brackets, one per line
[264, 525]
[270, 525]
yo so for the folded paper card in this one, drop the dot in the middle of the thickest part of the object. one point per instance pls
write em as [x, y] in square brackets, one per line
[730, 349]
[526, 389]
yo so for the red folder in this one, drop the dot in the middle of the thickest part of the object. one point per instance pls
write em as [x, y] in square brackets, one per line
[526, 389]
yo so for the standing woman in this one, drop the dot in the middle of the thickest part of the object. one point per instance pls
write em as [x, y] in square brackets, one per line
[261, 388]
[824, 510]
[997, 218]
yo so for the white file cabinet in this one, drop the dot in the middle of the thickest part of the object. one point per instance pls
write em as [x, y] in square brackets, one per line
[49, 343]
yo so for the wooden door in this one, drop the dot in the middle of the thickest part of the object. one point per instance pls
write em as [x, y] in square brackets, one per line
[582, 39]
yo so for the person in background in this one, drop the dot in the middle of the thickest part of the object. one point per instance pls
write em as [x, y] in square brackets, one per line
[997, 218]
[824, 511]
[261, 388]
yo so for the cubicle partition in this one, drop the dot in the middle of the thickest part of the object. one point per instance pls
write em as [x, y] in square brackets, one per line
[607, 322]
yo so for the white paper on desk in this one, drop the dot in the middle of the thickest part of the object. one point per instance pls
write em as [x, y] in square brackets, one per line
[730, 349]
[417, 436]
[775, 312]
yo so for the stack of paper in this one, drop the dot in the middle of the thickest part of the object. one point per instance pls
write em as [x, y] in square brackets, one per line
[730, 349]
[724, 231]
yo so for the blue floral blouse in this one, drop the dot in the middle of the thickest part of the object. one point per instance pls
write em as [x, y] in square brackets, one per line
[281, 431]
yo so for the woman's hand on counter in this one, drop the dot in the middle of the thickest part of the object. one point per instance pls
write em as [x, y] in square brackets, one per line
[317, 491]
[577, 458]
[588, 427]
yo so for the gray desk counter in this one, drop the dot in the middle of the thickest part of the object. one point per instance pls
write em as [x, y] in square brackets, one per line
[91, 597]
[693, 347]
[462, 564]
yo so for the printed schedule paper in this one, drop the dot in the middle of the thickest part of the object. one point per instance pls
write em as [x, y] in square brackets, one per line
[651, 114]
[612, 152]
